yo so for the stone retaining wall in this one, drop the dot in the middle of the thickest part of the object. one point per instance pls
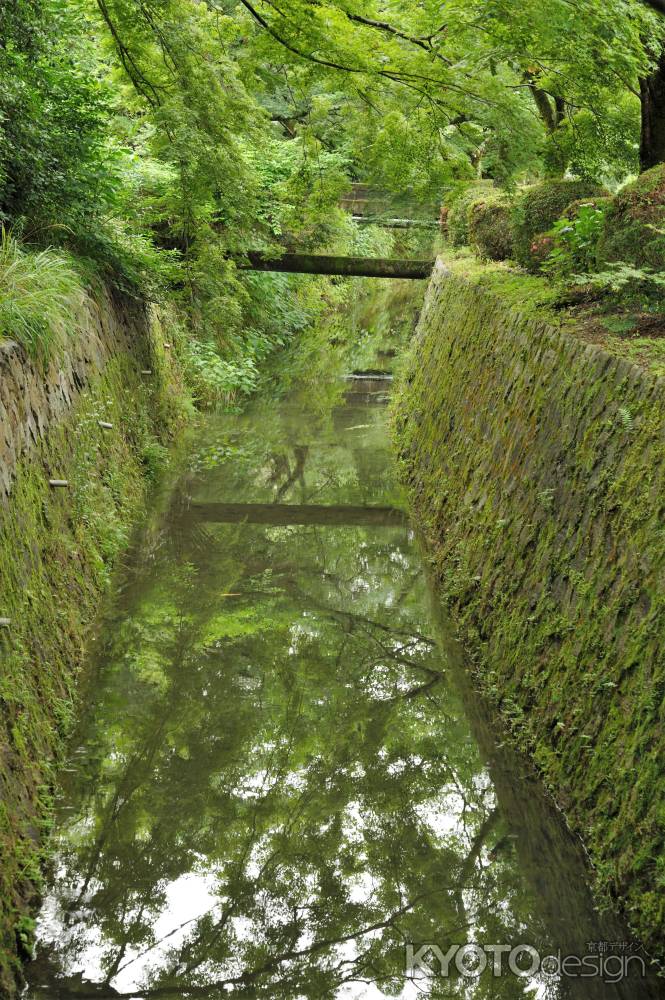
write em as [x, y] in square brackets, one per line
[91, 417]
[34, 397]
[536, 467]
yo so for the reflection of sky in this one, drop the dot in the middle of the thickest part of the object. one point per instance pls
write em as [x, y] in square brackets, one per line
[185, 900]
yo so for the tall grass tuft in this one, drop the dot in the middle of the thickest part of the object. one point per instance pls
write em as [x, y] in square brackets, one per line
[40, 297]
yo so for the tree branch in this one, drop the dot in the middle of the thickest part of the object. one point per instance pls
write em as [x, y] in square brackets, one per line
[423, 43]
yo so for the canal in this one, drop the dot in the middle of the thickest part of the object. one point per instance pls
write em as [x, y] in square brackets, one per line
[283, 783]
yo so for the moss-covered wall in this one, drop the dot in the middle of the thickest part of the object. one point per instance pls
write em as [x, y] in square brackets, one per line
[56, 549]
[536, 467]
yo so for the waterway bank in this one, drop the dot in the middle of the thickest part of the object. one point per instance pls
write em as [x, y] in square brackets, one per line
[97, 419]
[278, 782]
[535, 464]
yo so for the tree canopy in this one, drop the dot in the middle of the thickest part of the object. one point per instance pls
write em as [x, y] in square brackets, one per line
[157, 138]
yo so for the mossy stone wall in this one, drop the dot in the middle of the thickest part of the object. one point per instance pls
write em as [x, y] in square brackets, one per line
[536, 467]
[56, 550]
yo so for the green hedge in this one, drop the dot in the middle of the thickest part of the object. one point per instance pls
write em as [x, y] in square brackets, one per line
[634, 229]
[573, 210]
[457, 204]
[490, 228]
[536, 211]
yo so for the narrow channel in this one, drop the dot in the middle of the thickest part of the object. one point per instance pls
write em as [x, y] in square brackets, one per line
[283, 783]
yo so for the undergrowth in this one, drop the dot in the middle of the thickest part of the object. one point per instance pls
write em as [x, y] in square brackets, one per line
[41, 295]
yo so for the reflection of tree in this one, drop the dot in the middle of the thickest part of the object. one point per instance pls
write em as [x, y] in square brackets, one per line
[298, 749]
[288, 475]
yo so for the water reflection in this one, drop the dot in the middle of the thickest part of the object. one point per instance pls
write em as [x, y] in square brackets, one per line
[279, 781]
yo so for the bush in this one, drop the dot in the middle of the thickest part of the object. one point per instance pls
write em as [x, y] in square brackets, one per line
[213, 380]
[458, 203]
[490, 229]
[575, 239]
[634, 225]
[538, 209]
[640, 288]
[56, 165]
[573, 211]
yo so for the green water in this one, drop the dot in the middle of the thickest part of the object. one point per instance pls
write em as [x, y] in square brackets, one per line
[282, 776]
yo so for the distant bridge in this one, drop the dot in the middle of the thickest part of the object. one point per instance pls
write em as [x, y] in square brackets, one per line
[368, 206]
[365, 201]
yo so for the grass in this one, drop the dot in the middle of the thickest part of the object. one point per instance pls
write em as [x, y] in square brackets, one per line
[40, 296]
[636, 337]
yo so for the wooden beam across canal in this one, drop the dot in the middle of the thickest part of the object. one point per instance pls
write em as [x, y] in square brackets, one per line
[359, 267]
[280, 515]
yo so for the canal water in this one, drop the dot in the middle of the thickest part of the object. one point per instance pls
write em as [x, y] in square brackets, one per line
[283, 784]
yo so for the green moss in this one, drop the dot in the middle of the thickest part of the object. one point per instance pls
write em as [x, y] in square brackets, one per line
[646, 352]
[536, 468]
[536, 211]
[531, 294]
[535, 297]
[56, 550]
[634, 229]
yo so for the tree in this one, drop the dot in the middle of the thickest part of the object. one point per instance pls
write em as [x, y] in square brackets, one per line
[483, 73]
[56, 168]
[652, 99]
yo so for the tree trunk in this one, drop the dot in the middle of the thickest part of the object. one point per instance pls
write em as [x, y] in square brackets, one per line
[363, 267]
[652, 95]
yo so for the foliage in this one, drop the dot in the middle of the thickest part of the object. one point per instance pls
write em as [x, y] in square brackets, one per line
[126, 260]
[215, 381]
[410, 71]
[636, 287]
[490, 227]
[41, 296]
[536, 211]
[601, 146]
[57, 163]
[575, 239]
[159, 140]
[635, 223]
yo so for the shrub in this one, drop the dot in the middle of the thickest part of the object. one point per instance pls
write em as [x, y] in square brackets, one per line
[490, 230]
[575, 238]
[215, 381]
[458, 202]
[572, 212]
[55, 162]
[640, 288]
[538, 209]
[634, 224]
